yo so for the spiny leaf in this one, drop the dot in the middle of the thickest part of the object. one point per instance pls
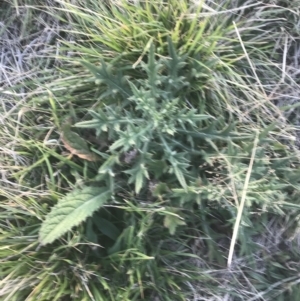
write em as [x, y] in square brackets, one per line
[116, 83]
[108, 165]
[160, 189]
[152, 68]
[70, 211]
[171, 222]
[180, 176]
[176, 62]
[138, 173]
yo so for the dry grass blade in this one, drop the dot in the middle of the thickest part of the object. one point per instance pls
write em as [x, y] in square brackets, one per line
[242, 204]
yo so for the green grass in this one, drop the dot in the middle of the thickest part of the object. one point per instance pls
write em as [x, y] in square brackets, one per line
[240, 63]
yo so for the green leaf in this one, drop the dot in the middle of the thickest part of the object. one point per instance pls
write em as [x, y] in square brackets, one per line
[90, 233]
[70, 211]
[171, 222]
[107, 228]
[92, 68]
[179, 176]
[160, 189]
[119, 143]
[103, 74]
[108, 165]
[158, 167]
[139, 180]
[176, 62]
[123, 241]
[138, 173]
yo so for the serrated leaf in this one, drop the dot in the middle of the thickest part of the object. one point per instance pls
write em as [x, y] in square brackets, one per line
[139, 180]
[160, 189]
[70, 211]
[103, 74]
[179, 176]
[109, 164]
[158, 167]
[138, 172]
[117, 144]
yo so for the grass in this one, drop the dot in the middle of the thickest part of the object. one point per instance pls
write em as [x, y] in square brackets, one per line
[241, 240]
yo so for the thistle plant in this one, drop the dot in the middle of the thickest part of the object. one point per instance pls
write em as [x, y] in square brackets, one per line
[161, 148]
[178, 163]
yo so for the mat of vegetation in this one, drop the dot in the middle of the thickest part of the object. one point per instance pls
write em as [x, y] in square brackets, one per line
[149, 150]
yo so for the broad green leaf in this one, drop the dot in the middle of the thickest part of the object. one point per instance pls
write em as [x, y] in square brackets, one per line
[70, 211]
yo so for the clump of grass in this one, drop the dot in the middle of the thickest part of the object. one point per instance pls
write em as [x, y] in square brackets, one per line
[182, 95]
